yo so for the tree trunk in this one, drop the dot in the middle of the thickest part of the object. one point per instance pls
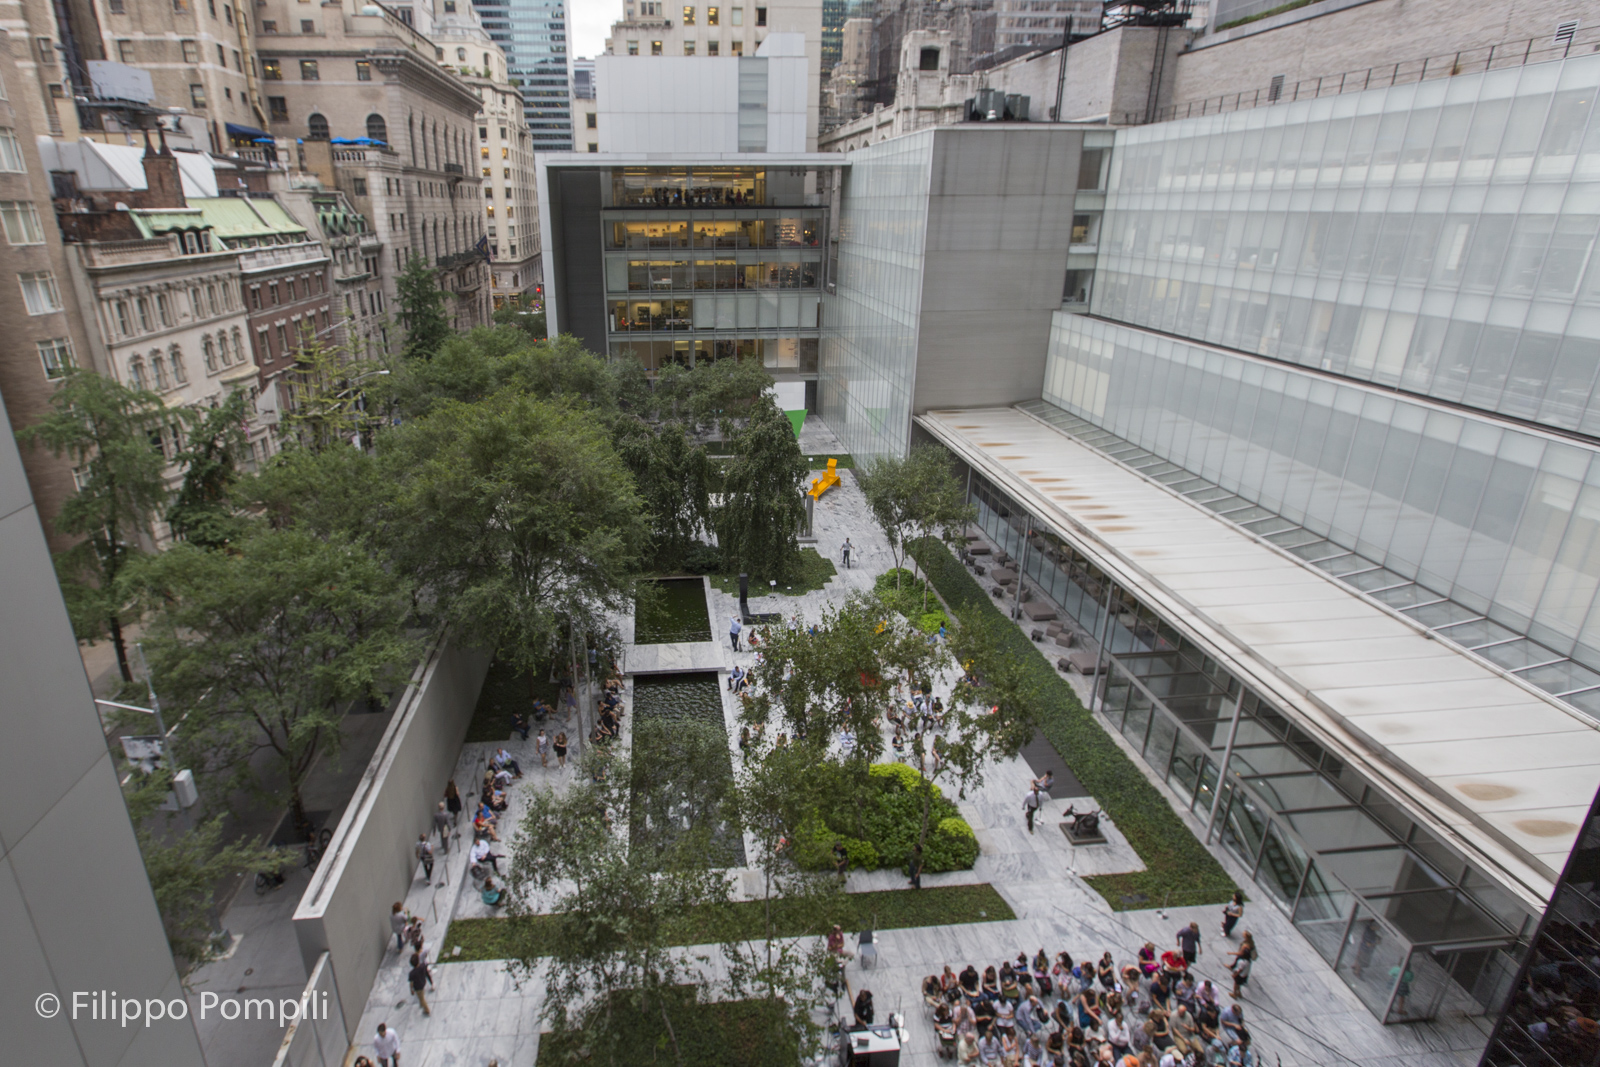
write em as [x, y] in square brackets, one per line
[122, 648]
[927, 806]
[672, 1035]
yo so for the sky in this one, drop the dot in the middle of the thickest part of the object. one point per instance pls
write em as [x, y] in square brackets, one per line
[589, 22]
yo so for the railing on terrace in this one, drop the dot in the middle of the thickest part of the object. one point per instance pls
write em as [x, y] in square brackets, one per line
[1546, 49]
[139, 250]
[278, 255]
[459, 259]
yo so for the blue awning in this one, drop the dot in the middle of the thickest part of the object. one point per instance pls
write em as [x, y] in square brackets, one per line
[236, 130]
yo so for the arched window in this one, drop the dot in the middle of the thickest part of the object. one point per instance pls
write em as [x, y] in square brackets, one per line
[377, 129]
[316, 127]
[191, 242]
[208, 352]
[180, 374]
[238, 344]
[461, 55]
[136, 372]
[222, 350]
[158, 371]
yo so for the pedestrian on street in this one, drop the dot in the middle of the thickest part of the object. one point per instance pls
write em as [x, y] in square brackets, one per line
[733, 632]
[442, 823]
[424, 850]
[1232, 911]
[1189, 943]
[543, 745]
[387, 1046]
[397, 924]
[844, 553]
[420, 977]
[452, 800]
[1031, 804]
[561, 750]
[914, 867]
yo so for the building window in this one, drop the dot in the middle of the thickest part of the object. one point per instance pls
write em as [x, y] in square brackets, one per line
[278, 108]
[125, 51]
[307, 26]
[272, 70]
[238, 344]
[633, 48]
[238, 64]
[269, 26]
[688, 16]
[158, 372]
[21, 222]
[593, 147]
[737, 48]
[124, 323]
[175, 358]
[191, 243]
[358, 186]
[56, 355]
[163, 309]
[738, 16]
[191, 52]
[449, 7]
[377, 129]
[316, 128]
[197, 96]
[590, 119]
[283, 338]
[118, 7]
[713, 47]
[711, 16]
[10, 151]
[263, 346]
[308, 70]
[211, 298]
[222, 57]
[222, 350]
[208, 353]
[688, 48]
[39, 292]
[274, 290]
[136, 372]
[655, 48]
[363, 70]
[761, 16]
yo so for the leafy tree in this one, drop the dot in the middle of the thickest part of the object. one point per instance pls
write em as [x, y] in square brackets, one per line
[614, 970]
[104, 429]
[563, 369]
[684, 785]
[762, 509]
[185, 864]
[202, 512]
[518, 516]
[674, 478]
[337, 491]
[773, 793]
[715, 394]
[915, 498]
[263, 646]
[330, 405]
[421, 309]
[519, 312]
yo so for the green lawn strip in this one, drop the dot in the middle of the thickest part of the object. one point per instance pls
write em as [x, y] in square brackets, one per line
[815, 572]
[733, 1033]
[1175, 861]
[504, 691]
[1267, 14]
[889, 909]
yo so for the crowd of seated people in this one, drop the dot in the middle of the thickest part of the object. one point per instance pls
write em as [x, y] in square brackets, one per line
[1044, 1012]
[608, 724]
[1554, 1012]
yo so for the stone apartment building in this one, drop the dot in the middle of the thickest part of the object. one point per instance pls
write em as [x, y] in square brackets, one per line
[46, 333]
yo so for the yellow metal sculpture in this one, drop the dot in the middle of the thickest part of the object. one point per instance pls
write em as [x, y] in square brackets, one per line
[829, 479]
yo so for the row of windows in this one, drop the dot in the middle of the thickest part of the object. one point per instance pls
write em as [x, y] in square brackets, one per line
[308, 285]
[713, 48]
[147, 312]
[652, 9]
[191, 53]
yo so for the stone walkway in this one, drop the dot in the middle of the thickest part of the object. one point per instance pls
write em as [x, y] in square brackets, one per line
[1298, 1011]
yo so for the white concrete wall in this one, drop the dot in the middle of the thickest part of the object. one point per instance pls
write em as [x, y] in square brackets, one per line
[369, 863]
[690, 104]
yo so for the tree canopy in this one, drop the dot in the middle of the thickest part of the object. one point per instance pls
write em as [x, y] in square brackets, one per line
[421, 309]
[915, 498]
[758, 524]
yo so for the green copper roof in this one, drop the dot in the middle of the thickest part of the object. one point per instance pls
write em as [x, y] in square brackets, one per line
[156, 221]
[233, 217]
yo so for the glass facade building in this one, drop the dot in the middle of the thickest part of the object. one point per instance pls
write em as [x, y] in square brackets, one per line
[533, 34]
[869, 363]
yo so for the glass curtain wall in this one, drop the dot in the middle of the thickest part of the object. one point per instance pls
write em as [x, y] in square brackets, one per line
[869, 357]
[1376, 894]
[1503, 522]
[1437, 237]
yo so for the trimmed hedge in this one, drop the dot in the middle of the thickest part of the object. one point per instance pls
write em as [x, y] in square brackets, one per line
[1175, 861]
[884, 909]
[892, 823]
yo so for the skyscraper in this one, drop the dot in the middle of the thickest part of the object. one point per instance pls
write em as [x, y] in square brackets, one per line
[533, 34]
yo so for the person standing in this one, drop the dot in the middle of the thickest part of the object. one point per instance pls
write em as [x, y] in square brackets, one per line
[387, 1046]
[543, 745]
[420, 977]
[561, 750]
[442, 823]
[452, 800]
[397, 925]
[1243, 959]
[1232, 911]
[733, 632]
[844, 553]
[1031, 803]
[1189, 944]
[424, 851]
[914, 867]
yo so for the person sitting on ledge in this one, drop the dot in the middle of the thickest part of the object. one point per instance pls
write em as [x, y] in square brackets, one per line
[519, 722]
[492, 894]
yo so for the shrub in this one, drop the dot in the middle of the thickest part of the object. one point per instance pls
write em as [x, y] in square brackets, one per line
[702, 558]
[901, 775]
[813, 847]
[932, 621]
[952, 846]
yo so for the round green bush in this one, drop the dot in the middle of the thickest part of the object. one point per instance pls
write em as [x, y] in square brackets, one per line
[813, 848]
[952, 846]
[930, 623]
[899, 776]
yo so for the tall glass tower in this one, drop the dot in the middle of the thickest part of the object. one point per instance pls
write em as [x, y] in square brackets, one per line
[533, 34]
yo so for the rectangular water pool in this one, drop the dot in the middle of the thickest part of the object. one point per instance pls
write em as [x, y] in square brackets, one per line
[675, 614]
[682, 768]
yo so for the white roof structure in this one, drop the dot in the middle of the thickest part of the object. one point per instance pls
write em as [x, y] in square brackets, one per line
[102, 166]
[1504, 771]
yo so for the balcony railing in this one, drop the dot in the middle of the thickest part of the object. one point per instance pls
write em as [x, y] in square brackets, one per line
[1546, 49]
[280, 255]
[453, 168]
[113, 253]
[459, 259]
